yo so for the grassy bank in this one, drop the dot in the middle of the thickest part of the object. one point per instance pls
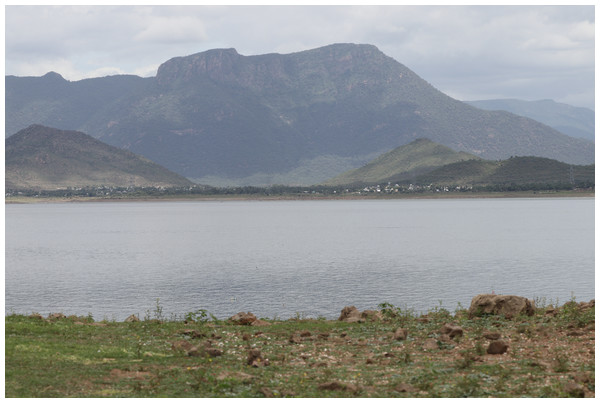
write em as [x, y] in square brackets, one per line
[550, 354]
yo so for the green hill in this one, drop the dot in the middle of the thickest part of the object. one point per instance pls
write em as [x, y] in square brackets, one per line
[44, 158]
[402, 163]
[515, 170]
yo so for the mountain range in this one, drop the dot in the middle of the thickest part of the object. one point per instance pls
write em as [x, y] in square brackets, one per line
[570, 120]
[45, 158]
[221, 118]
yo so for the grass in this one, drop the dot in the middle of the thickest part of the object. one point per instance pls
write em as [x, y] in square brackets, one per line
[302, 357]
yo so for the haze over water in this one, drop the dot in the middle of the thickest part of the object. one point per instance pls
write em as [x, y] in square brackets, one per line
[284, 258]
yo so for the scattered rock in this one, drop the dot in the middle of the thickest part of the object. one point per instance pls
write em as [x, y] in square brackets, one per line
[336, 385]
[323, 336]
[243, 318]
[452, 330]
[404, 387]
[259, 322]
[350, 314]
[182, 345]
[255, 359]
[213, 352]
[497, 347]
[132, 318]
[56, 316]
[574, 389]
[295, 339]
[266, 392]
[431, 344]
[492, 335]
[400, 334]
[371, 315]
[587, 305]
[305, 333]
[508, 305]
[444, 338]
[36, 316]
[192, 333]
[234, 375]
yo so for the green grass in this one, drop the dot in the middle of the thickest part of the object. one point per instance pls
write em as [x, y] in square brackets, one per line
[77, 357]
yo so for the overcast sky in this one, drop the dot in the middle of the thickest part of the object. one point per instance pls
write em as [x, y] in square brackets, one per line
[468, 52]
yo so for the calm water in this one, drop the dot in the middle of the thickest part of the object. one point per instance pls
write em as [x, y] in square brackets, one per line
[283, 258]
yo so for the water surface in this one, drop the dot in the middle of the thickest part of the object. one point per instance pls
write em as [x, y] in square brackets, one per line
[287, 258]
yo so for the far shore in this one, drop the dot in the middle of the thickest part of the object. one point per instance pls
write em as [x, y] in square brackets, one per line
[262, 197]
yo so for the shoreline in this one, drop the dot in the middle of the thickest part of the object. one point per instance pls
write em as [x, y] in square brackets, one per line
[302, 197]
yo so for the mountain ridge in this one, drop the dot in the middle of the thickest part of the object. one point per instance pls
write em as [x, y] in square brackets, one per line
[221, 115]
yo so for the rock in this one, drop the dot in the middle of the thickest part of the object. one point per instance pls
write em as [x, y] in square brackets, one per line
[259, 322]
[371, 316]
[404, 387]
[56, 316]
[132, 318]
[213, 352]
[444, 338]
[305, 333]
[295, 339]
[336, 385]
[36, 316]
[431, 344]
[452, 330]
[574, 389]
[192, 333]
[400, 334]
[243, 318]
[350, 314]
[508, 305]
[182, 345]
[255, 359]
[492, 335]
[497, 347]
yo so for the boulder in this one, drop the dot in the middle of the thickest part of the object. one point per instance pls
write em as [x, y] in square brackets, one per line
[497, 347]
[371, 315]
[132, 318]
[243, 318]
[508, 305]
[400, 334]
[452, 330]
[350, 314]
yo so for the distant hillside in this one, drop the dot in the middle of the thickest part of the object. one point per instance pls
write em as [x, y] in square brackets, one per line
[570, 120]
[221, 117]
[515, 170]
[403, 163]
[44, 158]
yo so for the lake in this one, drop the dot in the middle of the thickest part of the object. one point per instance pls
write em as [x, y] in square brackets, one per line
[282, 259]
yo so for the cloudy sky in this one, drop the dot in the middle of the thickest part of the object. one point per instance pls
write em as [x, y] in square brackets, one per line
[468, 52]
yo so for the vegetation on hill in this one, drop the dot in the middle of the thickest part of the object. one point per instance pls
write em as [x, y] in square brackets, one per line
[402, 164]
[40, 157]
[223, 117]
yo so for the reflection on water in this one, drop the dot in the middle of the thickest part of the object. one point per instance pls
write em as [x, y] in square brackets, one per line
[283, 258]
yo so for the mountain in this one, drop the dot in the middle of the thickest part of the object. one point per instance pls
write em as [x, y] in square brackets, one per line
[402, 163]
[220, 117]
[570, 120]
[40, 157]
